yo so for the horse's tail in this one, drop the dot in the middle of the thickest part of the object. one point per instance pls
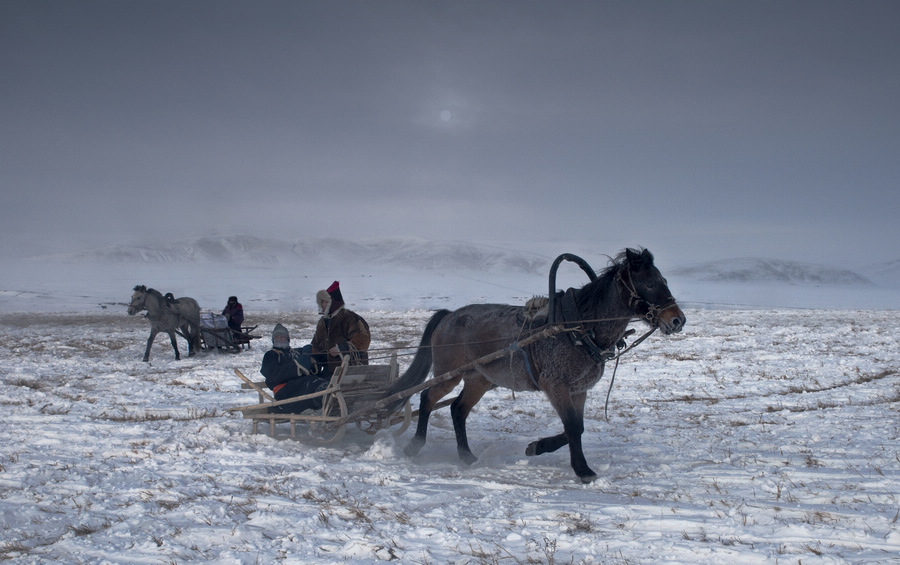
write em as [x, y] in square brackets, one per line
[418, 370]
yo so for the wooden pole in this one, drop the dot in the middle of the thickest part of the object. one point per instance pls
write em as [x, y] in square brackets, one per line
[262, 392]
[545, 333]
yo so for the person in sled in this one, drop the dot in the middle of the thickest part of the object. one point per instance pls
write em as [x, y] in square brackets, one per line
[234, 313]
[289, 373]
[339, 332]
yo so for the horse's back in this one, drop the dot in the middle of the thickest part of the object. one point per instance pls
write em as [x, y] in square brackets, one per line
[475, 330]
[480, 319]
[479, 330]
[190, 309]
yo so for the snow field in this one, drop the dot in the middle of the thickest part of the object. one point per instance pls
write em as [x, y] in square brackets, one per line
[754, 436]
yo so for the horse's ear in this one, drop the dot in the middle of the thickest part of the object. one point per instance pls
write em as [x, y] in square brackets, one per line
[634, 258]
[638, 259]
[140, 287]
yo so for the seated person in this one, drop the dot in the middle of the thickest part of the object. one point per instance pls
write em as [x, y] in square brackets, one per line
[234, 313]
[339, 332]
[289, 373]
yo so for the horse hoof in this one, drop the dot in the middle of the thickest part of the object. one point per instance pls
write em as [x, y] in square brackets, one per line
[588, 478]
[531, 450]
[412, 449]
[146, 359]
[468, 459]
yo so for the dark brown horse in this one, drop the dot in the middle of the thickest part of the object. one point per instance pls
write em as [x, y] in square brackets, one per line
[564, 366]
[168, 315]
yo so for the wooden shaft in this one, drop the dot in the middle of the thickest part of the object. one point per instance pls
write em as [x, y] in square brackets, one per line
[545, 333]
[262, 392]
[329, 390]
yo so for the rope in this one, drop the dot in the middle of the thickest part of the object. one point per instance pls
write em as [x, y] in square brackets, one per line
[616, 368]
[519, 335]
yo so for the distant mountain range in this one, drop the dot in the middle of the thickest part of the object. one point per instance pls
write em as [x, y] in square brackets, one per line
[424, 255]
[251, 250]
[770, 270]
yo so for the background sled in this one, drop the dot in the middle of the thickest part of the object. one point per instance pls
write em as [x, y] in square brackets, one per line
[215, 334]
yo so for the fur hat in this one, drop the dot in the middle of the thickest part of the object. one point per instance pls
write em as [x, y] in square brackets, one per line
[335, 292]
[323, 296]
[281, 337]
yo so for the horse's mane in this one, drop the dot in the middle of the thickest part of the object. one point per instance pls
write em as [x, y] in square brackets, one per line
[589, 297]
[153, 291]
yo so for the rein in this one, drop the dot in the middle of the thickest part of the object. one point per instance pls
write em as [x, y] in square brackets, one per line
[612, 379]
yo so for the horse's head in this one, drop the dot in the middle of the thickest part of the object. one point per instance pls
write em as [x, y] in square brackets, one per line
[138, 300]
[649, 294]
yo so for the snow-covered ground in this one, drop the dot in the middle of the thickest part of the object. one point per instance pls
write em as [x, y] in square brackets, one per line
[754, 436]
[766, 432]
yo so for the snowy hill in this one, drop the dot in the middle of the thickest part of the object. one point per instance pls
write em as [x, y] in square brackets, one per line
[250, 250]
[770, 271]
[887, 273]
[398, 274]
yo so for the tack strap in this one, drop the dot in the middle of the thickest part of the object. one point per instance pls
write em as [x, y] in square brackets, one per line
[513, 348]
[616, 367]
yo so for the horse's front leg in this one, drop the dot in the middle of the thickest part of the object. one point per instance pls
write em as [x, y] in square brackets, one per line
[153, 332]
[174, 345]
[546, 444]
[552, 443]
[570, 408]
[573, 425]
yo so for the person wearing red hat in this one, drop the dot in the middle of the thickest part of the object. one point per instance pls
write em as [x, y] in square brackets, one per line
[339, 332]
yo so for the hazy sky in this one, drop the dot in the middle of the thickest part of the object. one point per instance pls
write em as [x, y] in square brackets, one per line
[707, 128]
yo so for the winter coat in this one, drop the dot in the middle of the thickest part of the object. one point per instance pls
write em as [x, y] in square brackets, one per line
[348, 331]
[234, 315]
[280, 365]
[287, 372]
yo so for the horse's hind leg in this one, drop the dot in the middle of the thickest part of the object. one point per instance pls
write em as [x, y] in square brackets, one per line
[189, 335]
[427, 401]
[472, 392]
[175, 345]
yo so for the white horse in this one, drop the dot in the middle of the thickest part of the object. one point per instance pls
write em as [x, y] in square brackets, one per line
[168, 315]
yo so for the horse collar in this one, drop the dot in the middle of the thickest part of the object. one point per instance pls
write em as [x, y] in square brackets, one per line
[583, 338]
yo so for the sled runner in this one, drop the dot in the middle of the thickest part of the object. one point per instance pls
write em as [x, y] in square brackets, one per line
[351, 387]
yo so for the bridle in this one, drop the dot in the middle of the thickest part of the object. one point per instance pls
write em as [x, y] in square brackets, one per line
[635, 300]
[141, 306]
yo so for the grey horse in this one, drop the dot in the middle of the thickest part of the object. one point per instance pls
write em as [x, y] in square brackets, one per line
[168, 315]
[564, 366]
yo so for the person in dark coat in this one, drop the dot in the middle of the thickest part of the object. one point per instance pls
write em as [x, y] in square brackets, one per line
[289, 373]
[234, 313]
[339, 332]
